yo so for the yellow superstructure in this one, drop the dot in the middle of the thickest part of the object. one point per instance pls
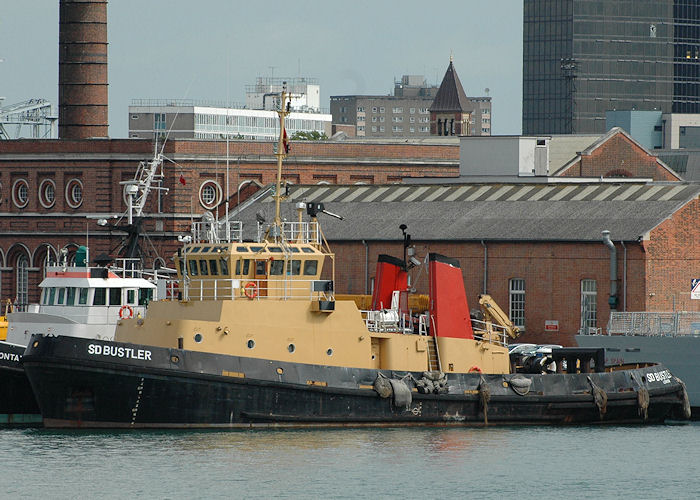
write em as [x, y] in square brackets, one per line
[267, 300]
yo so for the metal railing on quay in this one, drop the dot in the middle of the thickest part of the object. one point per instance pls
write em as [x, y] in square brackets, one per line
[664, 324]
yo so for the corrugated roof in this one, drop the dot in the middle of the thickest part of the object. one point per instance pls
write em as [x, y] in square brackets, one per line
[450, 96]
[561, 212]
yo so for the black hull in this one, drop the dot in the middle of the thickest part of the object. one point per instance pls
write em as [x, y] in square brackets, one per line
[171, 388]
[18, 407]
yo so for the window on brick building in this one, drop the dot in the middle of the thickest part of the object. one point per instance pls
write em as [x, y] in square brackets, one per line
[74, 193]
[589, 313]
[20, 193]
[516, 291]
[22, 282]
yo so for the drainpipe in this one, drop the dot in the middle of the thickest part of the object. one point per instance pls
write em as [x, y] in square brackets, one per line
[624, 277]
[366, 266]
[612, 300]
[486, 266]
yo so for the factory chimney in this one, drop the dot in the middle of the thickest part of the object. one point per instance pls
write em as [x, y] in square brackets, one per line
[82, 69]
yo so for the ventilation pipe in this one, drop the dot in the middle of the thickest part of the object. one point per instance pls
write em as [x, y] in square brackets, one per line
[612, 300]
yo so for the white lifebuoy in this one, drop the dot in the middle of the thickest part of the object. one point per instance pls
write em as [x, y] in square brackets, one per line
[126, 312]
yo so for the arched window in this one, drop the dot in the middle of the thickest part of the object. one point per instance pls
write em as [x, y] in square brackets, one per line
[22, 282]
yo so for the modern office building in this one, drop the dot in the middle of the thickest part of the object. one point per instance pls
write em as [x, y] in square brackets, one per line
[186, 119]
[406, 113]
[582, 58]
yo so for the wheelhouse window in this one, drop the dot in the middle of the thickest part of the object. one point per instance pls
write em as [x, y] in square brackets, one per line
[115, 296]
[100, 298]
[204, 270]
[145, 296]
[310, 267]
[83, 298]
[70, 296]
[294, 267]
[276, 267]
[589, 313]
[52, 296]
[224, 267]
[193, 268]
[131, 296]
[61, 296]
[516, 289]
[213, 267]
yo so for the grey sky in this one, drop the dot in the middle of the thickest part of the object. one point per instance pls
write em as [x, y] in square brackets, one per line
[211, 49]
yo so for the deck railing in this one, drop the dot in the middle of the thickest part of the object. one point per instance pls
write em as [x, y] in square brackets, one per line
[255, 289]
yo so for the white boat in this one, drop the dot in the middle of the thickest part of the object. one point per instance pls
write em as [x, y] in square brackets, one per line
[87, 302]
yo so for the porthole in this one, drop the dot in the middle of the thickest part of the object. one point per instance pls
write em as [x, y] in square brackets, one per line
[329, 352]
[74, 193]
[280, 371]
[198, 337]
[174, 359]
[20, 193]
[291, 348]
[47, 193]
[251, 344]
[210, 194]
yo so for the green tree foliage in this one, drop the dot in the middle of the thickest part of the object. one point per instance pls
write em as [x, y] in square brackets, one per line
[309, 136]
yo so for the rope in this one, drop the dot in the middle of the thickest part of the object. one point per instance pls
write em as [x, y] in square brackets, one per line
[484, 397]
[600, 398]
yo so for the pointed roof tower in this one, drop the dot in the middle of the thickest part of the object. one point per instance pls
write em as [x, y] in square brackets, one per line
[450, 96]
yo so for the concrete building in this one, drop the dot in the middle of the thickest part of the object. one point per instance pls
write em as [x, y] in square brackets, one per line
[614, 154]
[266, 94]
[406, 113]
[183, 119]
[582, 58]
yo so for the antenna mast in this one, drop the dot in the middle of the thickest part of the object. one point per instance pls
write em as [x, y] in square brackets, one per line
[282, 148]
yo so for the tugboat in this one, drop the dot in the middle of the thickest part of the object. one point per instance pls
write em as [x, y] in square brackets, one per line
[76, 301]
[258, 338]
[81, 301]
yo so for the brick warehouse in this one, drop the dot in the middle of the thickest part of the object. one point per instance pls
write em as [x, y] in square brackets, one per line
[543, 237]
[52, 192]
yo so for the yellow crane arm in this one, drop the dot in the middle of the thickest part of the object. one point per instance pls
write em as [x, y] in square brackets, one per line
[494, 314]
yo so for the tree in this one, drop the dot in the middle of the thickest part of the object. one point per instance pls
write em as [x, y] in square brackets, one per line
[309, 136]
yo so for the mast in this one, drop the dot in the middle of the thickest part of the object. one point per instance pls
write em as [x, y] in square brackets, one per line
[281, 153]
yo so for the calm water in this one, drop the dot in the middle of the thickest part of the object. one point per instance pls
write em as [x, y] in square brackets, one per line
[537, 462]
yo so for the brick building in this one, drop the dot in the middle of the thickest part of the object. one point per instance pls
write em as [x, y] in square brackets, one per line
[53, 192]
[535, 247]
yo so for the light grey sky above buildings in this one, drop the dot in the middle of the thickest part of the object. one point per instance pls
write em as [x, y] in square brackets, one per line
[212, 49]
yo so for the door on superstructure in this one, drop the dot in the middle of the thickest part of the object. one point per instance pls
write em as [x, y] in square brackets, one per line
[261, 276]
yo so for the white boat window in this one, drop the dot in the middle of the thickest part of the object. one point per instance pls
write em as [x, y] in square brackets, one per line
[82, 299]
[70, 299]
[61, 296]
[44, 296]
[100, 298]
[115, 296]
[145, 296]
[310, 267]
[131, 296]
[52, 295]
